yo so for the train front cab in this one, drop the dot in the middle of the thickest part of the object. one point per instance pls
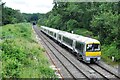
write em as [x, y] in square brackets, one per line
[93, 52]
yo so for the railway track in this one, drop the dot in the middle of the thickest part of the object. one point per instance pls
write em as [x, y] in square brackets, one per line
[103, 72]
[70, 69]
[74, 67]
[109, 69]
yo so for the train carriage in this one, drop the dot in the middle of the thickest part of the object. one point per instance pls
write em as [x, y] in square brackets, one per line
[66, 39]
[87, 49]
[50, 31]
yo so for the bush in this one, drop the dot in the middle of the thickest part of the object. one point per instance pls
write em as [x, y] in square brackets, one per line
[110, 50]
[22, 57]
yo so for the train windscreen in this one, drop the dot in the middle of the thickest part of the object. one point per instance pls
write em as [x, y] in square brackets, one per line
[93, 47]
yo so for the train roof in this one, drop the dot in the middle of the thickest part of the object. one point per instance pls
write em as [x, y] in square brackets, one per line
[79, 37]
[51, 29]
[75, 36]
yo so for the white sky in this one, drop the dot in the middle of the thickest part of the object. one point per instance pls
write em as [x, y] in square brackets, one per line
[30, 6]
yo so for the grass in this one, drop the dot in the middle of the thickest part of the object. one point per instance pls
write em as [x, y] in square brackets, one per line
[22, 56]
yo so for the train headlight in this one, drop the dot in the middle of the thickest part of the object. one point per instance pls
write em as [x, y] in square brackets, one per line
[98, 58]
[87, 59]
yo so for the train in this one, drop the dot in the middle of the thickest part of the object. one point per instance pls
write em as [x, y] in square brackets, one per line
[86, 49]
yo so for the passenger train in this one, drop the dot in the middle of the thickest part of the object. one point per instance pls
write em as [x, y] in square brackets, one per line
[86, 49]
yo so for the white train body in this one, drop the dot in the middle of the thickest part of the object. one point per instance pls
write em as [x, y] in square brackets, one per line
[86, 48]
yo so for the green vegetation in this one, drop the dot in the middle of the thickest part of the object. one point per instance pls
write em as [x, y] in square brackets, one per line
[22, 57]
[92, 19]
[11, 16]
[83, 32]
[109, 51]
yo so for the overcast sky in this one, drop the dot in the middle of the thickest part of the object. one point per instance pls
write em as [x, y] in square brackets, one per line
[30, 6]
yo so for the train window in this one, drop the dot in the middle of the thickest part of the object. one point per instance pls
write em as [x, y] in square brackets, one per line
[54, 34]
[45, 30]
[51, 33]
[93, 47]
[79, 46]
[67, 41]
[59, 37]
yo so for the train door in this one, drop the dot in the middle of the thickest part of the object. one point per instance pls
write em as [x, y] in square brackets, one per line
[73, 46]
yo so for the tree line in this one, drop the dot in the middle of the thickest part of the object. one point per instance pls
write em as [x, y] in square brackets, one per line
[11, 16]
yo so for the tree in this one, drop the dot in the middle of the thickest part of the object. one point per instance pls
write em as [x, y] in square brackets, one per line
[10, 16]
